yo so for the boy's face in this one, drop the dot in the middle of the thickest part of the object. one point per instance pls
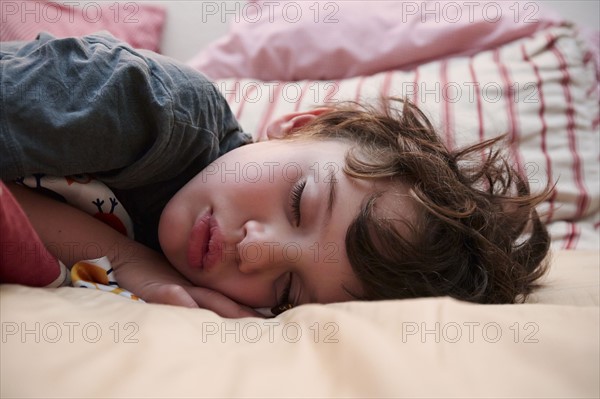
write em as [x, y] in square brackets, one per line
[235, 227]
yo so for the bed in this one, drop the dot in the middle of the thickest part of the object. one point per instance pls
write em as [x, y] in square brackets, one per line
[535, 77]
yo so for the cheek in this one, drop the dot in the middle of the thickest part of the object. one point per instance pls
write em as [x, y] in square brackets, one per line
[173, 231]
[178, 217]
[243, 197]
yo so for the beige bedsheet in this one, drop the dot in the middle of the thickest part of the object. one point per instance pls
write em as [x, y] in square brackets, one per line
[73, 342]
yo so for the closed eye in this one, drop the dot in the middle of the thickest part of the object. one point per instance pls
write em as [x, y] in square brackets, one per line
[285, 295]
[295, 197]
[284, 302]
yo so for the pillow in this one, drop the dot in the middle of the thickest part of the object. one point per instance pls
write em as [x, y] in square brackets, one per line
[332, 40]
[573, 279]
[140, 25]
[540, 90]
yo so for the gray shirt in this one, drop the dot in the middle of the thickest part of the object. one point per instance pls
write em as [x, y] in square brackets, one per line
[141, 123]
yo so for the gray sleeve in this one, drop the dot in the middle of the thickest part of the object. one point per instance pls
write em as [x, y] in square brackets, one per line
[95, 105]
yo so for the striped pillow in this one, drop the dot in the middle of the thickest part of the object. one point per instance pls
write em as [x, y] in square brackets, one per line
[541, 90]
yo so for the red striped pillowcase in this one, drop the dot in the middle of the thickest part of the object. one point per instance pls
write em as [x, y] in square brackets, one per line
[541, 90]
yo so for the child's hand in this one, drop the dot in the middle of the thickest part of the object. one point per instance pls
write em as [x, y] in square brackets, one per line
[143, 272]
[194, 297]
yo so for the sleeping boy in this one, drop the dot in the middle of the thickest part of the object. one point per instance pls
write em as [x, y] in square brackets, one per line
[331, 204]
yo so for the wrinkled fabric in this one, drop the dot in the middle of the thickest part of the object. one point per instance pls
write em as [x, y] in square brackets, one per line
[139, 122]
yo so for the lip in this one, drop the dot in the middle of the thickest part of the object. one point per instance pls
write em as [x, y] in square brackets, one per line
[206, 243]
[199, 240]
[215, 246]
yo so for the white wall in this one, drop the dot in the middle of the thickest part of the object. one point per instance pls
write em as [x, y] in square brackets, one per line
[583, 12]
[192, 21]
[184, 18]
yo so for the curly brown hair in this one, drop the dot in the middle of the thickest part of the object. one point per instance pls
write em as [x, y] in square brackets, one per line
[477, 236]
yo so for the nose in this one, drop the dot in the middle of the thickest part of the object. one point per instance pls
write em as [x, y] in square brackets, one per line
[260, 250]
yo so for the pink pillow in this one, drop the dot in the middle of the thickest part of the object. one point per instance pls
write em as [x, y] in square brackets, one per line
[332, 40]
[139, 25]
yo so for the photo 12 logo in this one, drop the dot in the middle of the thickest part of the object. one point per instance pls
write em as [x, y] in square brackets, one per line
[269, 11]
[269, 331]
[469, 331]
[69, 12]
[470, 11]
[68, 332]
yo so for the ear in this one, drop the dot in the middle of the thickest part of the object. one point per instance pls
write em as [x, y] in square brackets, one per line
[281, 127]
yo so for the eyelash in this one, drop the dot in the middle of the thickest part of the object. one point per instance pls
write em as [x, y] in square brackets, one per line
[295, 200]
[285, 296]
[284, 301]
[295, 197]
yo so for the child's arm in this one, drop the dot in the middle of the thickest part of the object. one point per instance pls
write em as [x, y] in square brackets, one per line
[72, 235]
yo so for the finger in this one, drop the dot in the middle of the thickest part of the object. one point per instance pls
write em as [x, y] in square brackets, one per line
[220, 304]
[172, 294]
